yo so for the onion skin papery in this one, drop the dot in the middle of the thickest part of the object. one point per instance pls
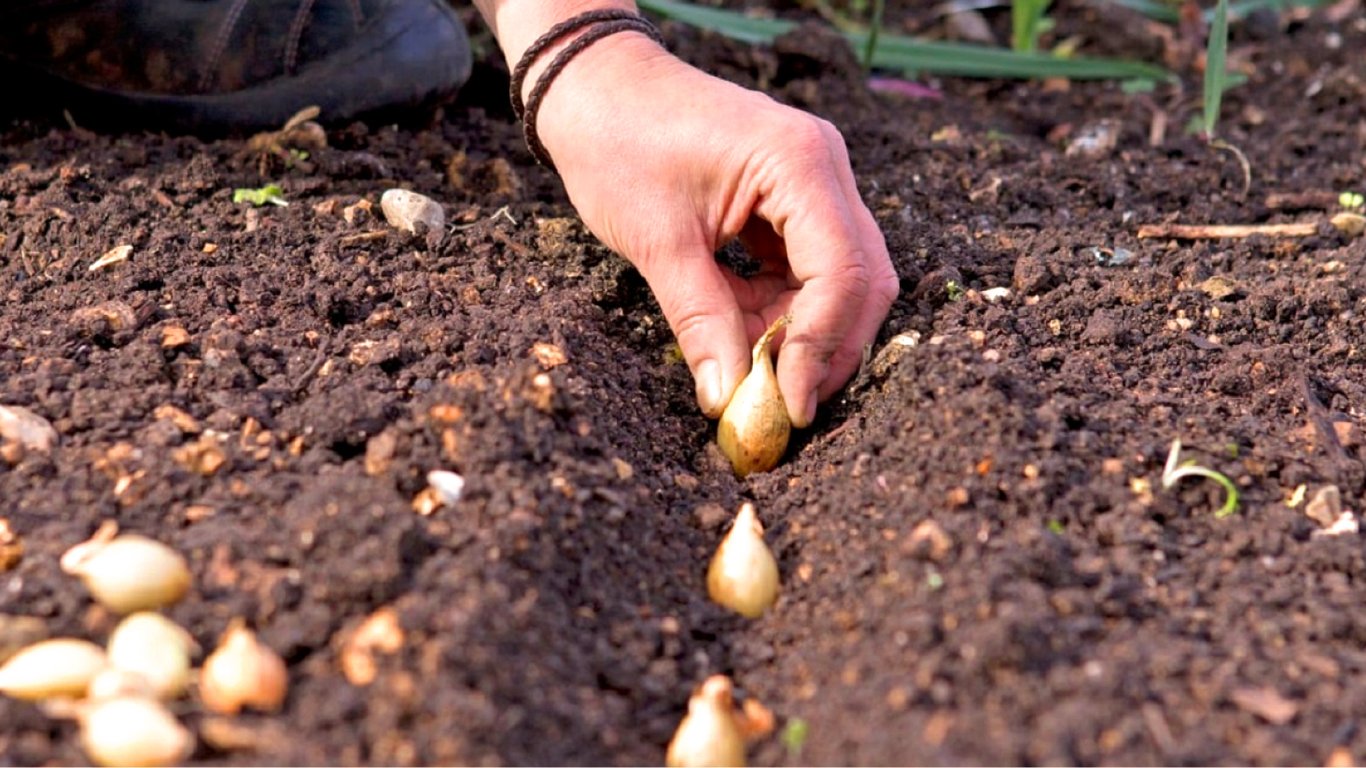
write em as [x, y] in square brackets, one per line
[755, 427]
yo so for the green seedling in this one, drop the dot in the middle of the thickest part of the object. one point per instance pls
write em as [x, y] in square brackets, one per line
[954, 290]
[874, 31]
[1028, 23]
[794, 738]
[1216, 82]
[934, 580]
[1351, 200]
[1057, 527]
[270, 194]
[1177, 469]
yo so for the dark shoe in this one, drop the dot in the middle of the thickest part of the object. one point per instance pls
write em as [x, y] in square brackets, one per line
[229, 64]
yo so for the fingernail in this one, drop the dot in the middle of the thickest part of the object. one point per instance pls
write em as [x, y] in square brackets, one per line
[809, 415]
[708, 378]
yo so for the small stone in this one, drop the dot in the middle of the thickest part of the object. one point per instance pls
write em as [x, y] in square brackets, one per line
[1346, 523]
[28, 429]
[1350, 224]
[928, 540]
[447, 485]
[1219, 287]
[404, 209]
[1094, 140]
[994, 295]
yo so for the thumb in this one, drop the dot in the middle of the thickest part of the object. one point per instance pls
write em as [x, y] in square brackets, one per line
[702, 311]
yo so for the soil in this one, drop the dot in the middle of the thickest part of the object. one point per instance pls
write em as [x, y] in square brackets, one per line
[980, 562]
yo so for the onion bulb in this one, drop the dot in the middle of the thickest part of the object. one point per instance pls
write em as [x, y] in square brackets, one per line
[743, 576]
[132, 730]
[708, 735]
[128, 573]
[242, 673]
[154, 647]
[754, 426]
[63, 666]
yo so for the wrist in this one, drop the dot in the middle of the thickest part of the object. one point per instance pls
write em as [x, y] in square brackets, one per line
[517, 24]
[596, 93]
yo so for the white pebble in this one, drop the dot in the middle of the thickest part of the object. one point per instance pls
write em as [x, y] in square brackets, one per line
[403, 209]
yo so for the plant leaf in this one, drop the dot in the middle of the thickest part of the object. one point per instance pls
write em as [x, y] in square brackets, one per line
[1215, 73]
[270, 194]
[1167, 12]
[904, 53]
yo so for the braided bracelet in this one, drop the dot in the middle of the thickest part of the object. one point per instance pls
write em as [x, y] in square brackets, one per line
[600, 24]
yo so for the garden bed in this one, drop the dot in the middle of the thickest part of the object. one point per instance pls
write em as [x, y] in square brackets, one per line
[980, 563]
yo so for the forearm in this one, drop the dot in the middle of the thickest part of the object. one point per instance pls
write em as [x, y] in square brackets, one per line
[517, 23]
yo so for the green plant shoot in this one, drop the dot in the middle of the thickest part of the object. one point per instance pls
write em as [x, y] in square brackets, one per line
[1216, 74]
[874, 29]
[1351, 200]
[270, 194]
[794, 738]
[1174, 471]
[1027, 24]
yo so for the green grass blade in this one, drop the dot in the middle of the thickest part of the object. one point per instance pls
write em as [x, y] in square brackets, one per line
[1215, 72]
[1026, 18]
[874, 29]
[1167, 12]
[899, 52]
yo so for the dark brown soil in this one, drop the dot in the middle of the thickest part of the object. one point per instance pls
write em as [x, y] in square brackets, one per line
[557, 613]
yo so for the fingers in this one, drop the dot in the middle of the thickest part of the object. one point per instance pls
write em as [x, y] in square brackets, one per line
[701, 308]
[838, 257]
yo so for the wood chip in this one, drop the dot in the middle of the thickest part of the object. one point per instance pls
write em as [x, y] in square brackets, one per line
[182, 420]
[380, 633]
[11, 546]
[1326, 506]
[204, 457]
[115, 255]
[1265, 703]
[548, 355]
[173, 336]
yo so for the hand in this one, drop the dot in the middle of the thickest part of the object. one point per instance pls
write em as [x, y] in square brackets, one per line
[666, 164]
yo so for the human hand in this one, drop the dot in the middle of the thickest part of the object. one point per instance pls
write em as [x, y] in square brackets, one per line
[666, 164]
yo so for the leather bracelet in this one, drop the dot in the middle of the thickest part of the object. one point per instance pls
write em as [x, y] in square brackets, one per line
[600, 24]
